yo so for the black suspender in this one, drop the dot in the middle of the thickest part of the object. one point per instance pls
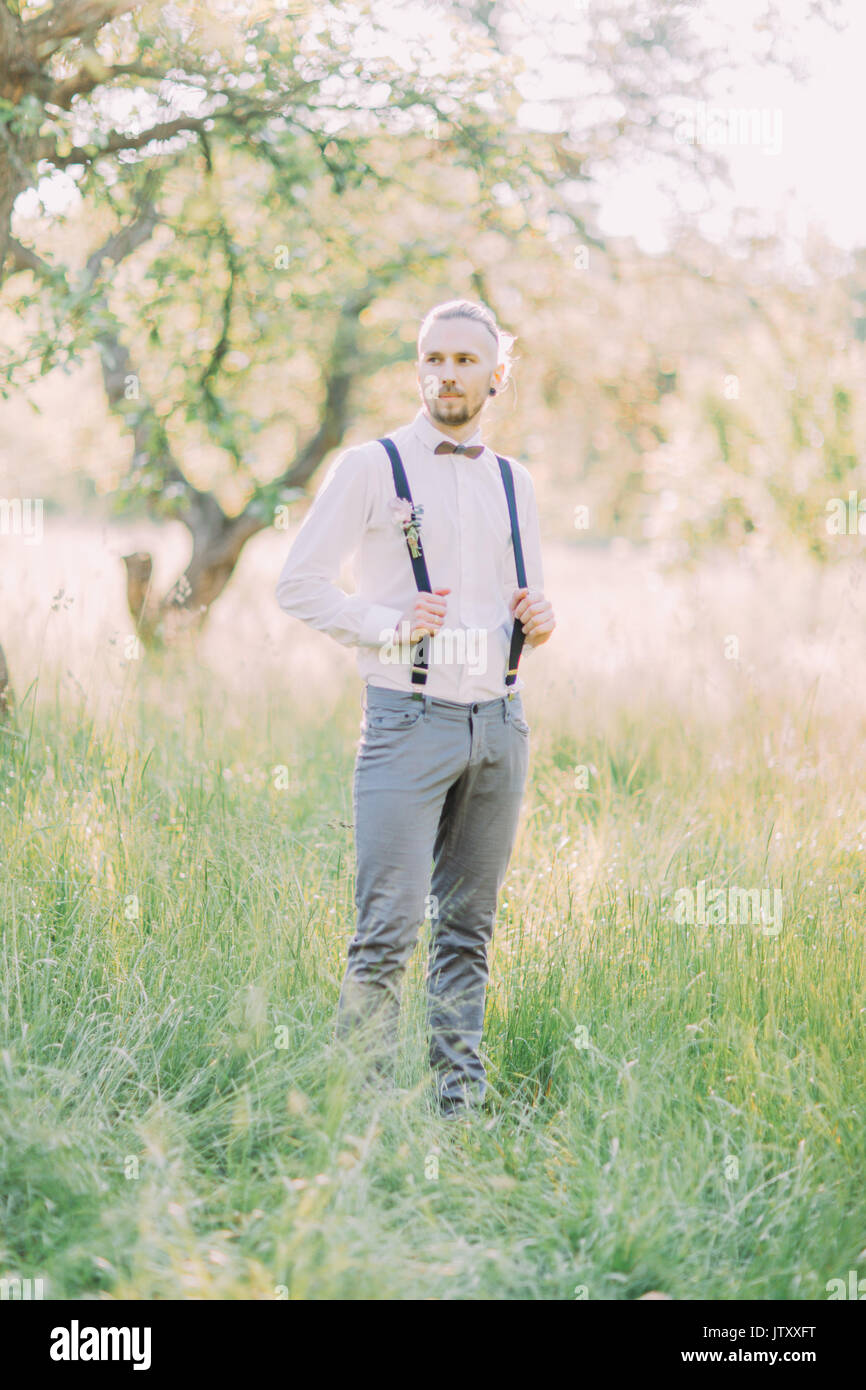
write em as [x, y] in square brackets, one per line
[416, 555]
[517, 633]
[419, 564]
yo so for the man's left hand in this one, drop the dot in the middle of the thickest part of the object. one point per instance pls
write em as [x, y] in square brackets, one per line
[535, 613]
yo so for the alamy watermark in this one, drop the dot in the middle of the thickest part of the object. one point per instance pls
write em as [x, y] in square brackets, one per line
[449, 646]
[846, 518]
[760, 126]
[77, 1343]
[854, 1288]
[22, 516]
[12, 1287]
[716, 907]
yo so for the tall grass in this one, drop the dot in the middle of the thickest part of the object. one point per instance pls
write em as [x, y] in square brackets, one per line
[673, 1107]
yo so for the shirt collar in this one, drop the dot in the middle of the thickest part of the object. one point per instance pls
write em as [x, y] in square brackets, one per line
[431, 436]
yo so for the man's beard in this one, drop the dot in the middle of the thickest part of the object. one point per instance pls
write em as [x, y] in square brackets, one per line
[457, 412]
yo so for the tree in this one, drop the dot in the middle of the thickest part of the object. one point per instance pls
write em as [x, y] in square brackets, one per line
[279, 131]
[295, 133]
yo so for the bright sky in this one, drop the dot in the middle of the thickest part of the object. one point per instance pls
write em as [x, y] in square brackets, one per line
[816, 176]
[803, 169]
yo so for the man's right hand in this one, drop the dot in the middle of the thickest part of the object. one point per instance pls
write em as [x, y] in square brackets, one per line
[425, 615]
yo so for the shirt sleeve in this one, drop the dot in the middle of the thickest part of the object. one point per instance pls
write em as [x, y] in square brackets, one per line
[530, 536]
[307, 588]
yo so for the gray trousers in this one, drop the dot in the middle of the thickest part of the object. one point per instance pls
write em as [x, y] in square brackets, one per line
[436, 784]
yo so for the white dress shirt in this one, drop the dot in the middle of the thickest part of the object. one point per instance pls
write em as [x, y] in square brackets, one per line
[466, 538]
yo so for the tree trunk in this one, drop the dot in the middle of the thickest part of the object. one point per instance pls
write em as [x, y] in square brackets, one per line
[18, 75]
[7, 700]
[182, 611]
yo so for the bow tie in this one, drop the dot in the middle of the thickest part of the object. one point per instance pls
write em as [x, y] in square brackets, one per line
[471, 450]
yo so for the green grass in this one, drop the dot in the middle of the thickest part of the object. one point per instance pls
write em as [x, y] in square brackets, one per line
[671, 1108]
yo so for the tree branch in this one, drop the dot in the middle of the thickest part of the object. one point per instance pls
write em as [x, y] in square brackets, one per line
[198, 510]
[222, 343]
[121, 244]
[85, 154]
[95, 73]
[24, 258]
[67, 19]
[241, 112]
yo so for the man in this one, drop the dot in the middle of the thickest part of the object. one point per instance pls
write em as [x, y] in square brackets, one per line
[442, 762]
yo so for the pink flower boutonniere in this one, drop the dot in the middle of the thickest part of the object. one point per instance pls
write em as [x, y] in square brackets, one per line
[409, 518]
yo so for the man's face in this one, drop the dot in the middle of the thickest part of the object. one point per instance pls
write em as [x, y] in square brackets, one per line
[456, 368]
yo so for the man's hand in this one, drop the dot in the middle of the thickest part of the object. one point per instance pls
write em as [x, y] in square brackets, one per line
[425, 615]
[535, 613]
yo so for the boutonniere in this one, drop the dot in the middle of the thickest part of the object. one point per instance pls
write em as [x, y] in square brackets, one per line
[409, 518]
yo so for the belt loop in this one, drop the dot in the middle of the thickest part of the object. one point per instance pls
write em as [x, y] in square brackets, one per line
[426, 702]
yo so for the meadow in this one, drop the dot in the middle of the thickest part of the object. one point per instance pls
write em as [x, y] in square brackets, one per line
[675, 1107]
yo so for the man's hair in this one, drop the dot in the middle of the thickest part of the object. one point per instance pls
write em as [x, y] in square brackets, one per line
[466, 309]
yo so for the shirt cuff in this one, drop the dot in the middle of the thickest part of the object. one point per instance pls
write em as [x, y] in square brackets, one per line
[379, 619]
